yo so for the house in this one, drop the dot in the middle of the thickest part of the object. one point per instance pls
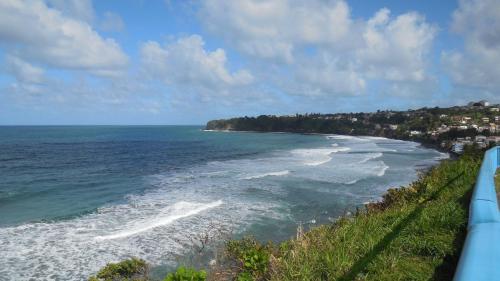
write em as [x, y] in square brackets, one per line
[465, 120]
[486, 119]
[442, 116]
[463, 127]
[495, 109]
[415, 133]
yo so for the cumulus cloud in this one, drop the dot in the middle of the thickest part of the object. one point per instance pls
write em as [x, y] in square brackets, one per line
[271, 29]
[23, 71]
[326, 74]
[478, 21]
[327, 50]
[34, 32]
[396, 49]
[185, 62]
[79, 9]
[112, 22]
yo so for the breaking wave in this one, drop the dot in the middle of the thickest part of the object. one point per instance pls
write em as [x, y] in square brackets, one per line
[275, 174]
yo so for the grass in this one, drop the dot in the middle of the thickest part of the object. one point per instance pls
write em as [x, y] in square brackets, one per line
[415, 233]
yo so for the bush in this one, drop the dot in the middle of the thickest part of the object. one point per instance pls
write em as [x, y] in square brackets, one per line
[186, 274]
[252, 256]
[128, 270]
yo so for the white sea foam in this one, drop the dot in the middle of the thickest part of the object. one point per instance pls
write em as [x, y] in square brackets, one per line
[179, 210]
[275, 174]
[371, 156]
[442, 156]
[317, 156]
[347, 138]
[382, 170]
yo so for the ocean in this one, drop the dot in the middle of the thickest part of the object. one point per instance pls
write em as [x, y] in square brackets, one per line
[73, 198]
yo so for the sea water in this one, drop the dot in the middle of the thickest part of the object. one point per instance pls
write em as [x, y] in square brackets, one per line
[73, 198]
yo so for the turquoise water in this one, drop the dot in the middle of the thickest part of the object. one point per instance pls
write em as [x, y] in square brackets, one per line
[74, 198]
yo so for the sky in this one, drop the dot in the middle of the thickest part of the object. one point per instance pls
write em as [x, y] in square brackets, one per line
[186, 62]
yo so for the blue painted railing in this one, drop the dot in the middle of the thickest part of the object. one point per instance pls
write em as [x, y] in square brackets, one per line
[480, 259]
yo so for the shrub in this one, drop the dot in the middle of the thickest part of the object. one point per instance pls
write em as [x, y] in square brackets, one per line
[128, 270]
[252, 256]
[186, 274]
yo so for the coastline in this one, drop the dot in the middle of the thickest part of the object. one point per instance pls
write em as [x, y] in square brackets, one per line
[422, 143]
[384, 213]
[377, 241]
[422, 172]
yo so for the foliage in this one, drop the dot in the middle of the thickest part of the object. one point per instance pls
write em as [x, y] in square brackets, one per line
[253, 257]
[373, 124]
[128, 270]
[186, 274]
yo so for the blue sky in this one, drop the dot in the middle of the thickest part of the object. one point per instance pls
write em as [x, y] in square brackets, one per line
[186, 62]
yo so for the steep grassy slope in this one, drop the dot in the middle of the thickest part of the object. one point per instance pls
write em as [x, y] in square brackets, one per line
[416, 233]
[418, 236]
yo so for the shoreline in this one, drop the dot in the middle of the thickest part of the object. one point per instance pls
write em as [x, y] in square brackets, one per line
[420, 171]
[423, 144]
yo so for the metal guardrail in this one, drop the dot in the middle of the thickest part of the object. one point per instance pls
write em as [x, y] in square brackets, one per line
[480, 258]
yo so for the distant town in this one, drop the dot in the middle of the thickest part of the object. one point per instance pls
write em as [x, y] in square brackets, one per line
[451, 129]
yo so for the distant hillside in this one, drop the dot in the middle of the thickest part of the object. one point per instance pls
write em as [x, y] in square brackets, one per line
[439, 126]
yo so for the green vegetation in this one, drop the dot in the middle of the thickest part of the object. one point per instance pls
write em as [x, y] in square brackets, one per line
[414, 233]
[252, 258]
[128, 270]
[426, 125]
[187, 274]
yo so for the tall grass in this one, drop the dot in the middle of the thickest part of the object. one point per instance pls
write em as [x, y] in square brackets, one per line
[415, 233]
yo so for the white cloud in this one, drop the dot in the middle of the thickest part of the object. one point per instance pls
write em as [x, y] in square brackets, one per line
[112, 22]
[186, 62]
[478, 21]
[326, 74]
[396, 49]
[79, 9]
[323, 46]
[271, 29]
[34, 32]
[23, 71]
